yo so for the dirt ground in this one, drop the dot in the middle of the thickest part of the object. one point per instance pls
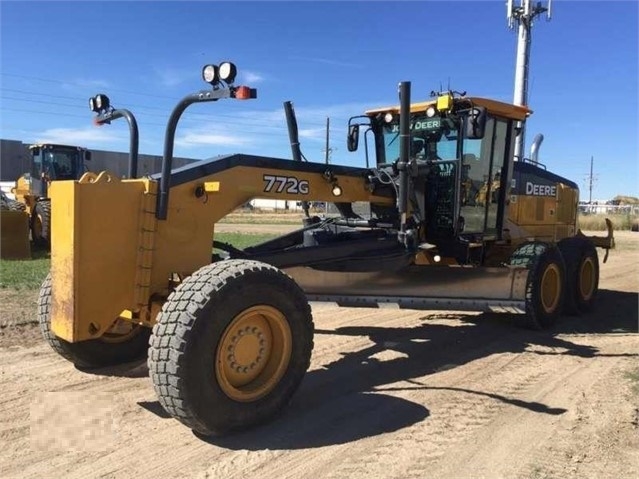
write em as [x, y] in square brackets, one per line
[390, 393]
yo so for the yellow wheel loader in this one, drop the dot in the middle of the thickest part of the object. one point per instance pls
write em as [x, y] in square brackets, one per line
[49, 162]
[228, 333]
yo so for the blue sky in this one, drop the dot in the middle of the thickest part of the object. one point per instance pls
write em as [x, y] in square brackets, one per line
[331, 59]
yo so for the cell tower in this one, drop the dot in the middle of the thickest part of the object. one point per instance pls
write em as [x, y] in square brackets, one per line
[523, 15]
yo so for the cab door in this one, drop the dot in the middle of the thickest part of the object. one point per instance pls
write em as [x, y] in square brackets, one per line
[38, 184]
[485, 178]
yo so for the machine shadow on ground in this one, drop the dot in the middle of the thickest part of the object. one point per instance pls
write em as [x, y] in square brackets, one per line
[344, 400]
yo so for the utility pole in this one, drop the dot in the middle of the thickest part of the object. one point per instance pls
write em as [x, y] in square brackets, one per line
[523, 15]
[327, 149]
[591, 179]
[327, 153]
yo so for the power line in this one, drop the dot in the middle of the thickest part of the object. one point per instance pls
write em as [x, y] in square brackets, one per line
[43, 102]
[62, 82]
[161, 125]
[190, 120]
[249, 125]
[40, 94]
[191, 116]
[312, 123]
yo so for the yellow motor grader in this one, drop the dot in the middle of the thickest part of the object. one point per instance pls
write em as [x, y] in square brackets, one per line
[229, 333]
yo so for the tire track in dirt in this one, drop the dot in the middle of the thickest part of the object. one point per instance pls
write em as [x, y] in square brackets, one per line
[289, 470]
[597, 438]
[389, 394]
[455, 413]
[50, 369]
[300, 463]
[521, 443]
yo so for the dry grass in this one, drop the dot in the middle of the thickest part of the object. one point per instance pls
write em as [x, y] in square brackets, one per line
[590, 222]
[596, 222]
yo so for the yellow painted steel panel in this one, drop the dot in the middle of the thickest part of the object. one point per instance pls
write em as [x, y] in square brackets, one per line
[183, 241]
[95, 226]
[110, 254]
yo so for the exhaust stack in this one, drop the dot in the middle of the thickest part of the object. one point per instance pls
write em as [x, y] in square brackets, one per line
[403, 163]
[534, 148]
[293, 135]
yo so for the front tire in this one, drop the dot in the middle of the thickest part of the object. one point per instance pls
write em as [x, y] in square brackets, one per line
[109, 350]
[230, 346]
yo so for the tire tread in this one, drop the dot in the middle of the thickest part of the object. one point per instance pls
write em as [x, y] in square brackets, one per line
[175, 328]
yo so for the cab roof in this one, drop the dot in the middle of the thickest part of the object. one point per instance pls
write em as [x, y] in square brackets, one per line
[495, 107]
[54, 145]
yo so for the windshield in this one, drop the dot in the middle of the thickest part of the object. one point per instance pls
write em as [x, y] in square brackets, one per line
[431, 139]
[61, 164]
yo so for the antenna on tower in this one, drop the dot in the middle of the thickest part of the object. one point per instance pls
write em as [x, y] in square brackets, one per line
[509, 14]
[523, 15]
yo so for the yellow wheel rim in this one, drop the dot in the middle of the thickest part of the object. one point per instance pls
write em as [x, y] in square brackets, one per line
[587, 279]
[550, 288]
[253, 354]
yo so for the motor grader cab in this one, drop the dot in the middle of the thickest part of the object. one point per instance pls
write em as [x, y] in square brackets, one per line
[228, 333]
[466, 192]
[49, 162]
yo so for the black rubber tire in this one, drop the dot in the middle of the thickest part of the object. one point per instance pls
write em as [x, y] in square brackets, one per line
[12, 205]
[580, 256]
[549, 260]
[94, 353]
[42, 211]
[191, 326]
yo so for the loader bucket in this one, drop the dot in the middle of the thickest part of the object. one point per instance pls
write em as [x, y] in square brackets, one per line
[14, 235]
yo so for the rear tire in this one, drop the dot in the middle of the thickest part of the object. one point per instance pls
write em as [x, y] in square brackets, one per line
[582, 274]
[545, 288]
[108, 350]
[230, 346]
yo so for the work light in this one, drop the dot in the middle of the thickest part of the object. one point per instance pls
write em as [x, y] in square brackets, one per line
[227, 72]
[102, 101]
[210, 74]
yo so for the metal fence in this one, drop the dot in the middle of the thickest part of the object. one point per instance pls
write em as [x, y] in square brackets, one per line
[595, 209]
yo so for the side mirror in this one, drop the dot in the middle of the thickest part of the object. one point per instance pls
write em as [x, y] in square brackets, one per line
[476, 123]
[87, 156]
[352, 141]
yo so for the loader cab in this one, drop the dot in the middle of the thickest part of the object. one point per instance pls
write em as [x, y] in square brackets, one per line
[55, 162]
[461, 156]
